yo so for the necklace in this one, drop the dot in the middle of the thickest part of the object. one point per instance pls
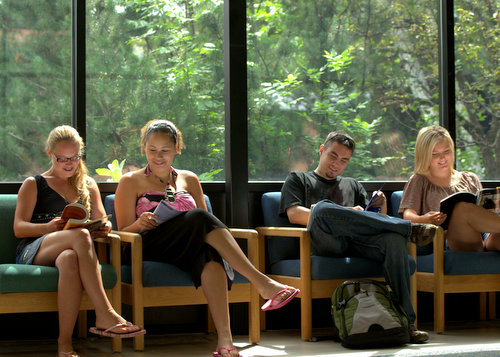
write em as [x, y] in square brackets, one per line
[169, 191]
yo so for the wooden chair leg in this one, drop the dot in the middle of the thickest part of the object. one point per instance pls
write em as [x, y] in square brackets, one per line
[254, 316]
[210, 322]
[492, 302]
[413, 285]
[306, 318]
[138, 316]
[439, 312]
[82, 324]
[483, 303]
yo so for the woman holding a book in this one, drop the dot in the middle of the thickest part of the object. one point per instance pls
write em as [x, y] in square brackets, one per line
[435, 179]
[43, 241]
[187, 236]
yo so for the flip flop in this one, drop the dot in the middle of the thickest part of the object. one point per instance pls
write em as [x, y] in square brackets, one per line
[108, 333]
[67, 354]
[220, 354]
[270, 305]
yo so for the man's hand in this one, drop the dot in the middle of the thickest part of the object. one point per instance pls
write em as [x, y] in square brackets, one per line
[379, 201]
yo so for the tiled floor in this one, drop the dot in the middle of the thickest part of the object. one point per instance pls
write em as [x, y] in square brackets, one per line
[471, 339]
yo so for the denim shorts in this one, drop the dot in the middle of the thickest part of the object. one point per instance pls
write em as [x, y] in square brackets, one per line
[29, 252]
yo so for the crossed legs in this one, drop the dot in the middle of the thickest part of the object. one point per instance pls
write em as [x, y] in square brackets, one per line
[214, 283]
[73, 253]
[467, 222]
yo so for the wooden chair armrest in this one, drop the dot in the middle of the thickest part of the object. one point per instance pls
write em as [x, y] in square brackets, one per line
[282, 231]
[128, 237]
[252, 238]
[135, 239]
[412, 250]
[113, 241]
[288, 232]
[248, 234]
[438, 250]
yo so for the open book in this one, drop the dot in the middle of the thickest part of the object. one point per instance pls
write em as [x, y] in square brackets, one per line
[488, 198]
[165, 212]
[78, 216]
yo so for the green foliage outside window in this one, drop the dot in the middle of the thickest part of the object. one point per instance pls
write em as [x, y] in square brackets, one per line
[366, 67]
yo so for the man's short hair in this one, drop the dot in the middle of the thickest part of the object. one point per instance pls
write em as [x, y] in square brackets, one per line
[341, 138]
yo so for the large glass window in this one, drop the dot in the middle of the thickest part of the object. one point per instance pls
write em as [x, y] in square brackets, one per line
[369, 68]
[155, 59]
[477, 47]
[35, 81]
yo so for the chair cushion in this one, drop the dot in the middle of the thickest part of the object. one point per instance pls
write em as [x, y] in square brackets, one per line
[16, 278]
[463, 263]
[164, 274]
[324, 268]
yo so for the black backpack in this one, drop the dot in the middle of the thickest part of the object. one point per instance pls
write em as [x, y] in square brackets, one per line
[366, 314]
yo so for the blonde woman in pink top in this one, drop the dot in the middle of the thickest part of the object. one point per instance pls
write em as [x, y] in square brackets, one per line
[434, 179]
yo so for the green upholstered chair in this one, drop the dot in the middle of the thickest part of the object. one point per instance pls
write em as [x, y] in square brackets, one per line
[33, 288]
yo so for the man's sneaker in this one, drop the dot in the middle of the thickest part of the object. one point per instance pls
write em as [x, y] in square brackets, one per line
[422, 233]
[417, 336]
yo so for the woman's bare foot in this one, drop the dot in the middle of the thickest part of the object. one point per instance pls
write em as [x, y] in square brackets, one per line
[226, 352]
[278, 295]
[110, 318]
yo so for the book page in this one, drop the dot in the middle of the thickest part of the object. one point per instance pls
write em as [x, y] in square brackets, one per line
[489, 198]
[75, 211]
[90, 224]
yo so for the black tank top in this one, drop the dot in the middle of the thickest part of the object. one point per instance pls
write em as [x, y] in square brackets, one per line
[49, 205]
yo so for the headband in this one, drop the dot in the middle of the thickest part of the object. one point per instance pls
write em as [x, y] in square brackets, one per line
[163, 126]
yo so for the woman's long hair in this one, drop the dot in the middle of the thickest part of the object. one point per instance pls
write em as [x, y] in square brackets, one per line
[79, 179]
[427, 138]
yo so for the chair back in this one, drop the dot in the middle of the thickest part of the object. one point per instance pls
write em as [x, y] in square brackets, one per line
[9, 241]
[109, 206]
[279, 248]
[395, 202]
[396, 197]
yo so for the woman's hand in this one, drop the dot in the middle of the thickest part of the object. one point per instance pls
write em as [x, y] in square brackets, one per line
[147, 221]
[101, 231]
[57, 224]
[435, 218]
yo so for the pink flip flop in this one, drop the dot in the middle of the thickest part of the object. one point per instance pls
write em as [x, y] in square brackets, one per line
[108, 333]
[270, 305]
[220, 354]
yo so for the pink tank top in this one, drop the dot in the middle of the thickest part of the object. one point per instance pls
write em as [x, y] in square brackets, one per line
[149, 200]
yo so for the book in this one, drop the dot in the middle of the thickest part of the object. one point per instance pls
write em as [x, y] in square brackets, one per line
[488, 198]
[78, 216]
[369, 206]
[165, 212]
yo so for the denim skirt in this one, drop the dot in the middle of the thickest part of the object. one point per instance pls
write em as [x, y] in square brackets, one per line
[28, 253]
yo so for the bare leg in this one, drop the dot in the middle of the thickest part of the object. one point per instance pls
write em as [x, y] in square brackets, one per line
[69, 295]
[466, 223]
[493, 242]
[214, 284]
[81, 243]
[222, 240]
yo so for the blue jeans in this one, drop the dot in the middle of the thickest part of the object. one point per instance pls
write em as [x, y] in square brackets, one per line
[338, 231]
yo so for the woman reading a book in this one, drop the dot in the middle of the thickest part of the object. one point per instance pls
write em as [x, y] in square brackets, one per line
[190, 238]
[435, 179]
[43, 241]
